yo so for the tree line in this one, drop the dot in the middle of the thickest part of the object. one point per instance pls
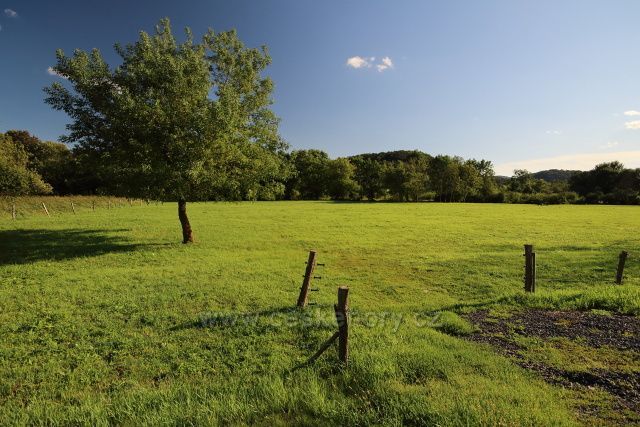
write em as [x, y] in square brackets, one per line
[192, 121]
[29, 165]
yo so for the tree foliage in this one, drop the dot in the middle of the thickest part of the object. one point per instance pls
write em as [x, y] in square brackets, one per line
[608, 183]
[175, 121]
[53, 161]
[16, 179]
[310, 180]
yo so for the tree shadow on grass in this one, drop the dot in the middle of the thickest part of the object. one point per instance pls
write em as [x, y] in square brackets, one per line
[28, 246]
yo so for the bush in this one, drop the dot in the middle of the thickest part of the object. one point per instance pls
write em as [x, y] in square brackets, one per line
[15, 178]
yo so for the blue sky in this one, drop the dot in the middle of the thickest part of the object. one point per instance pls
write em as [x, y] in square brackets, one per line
[534, 84]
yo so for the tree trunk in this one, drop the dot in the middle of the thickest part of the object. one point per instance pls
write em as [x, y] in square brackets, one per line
[187, 234]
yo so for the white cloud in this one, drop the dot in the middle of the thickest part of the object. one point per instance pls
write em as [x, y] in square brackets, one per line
[585, 161]
[11, 13]
[632, 113]
[632, 125]
[53, 72]
[386, 63]
[359, 62]
[368, 62]
[610, 144]
[554, 132]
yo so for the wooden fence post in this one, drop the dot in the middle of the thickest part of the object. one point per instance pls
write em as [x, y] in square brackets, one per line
[342, 317]
[93, 205]
[306, 282]
[529, 269]
[13, 210]
[45, 209]
[533, 272]
[342, 335]
[73, 208]
[109, 206]
[621, 261]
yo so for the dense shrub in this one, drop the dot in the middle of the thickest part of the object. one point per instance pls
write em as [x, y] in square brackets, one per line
[15, 178]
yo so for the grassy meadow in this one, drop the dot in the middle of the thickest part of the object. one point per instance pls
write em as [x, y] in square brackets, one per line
[106, 318]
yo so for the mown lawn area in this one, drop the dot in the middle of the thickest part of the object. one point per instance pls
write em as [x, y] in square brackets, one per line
[106, 318]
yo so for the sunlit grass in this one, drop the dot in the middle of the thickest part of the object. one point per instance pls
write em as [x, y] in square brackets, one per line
[106, 318]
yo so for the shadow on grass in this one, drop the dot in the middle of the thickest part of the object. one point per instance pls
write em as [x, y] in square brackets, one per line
[27, 246]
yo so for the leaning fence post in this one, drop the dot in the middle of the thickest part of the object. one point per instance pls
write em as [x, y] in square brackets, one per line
[621, 261]
[306, 282]
[13, 210]
[342, 317]
[73, 208]
[45, 209]
[529, 269]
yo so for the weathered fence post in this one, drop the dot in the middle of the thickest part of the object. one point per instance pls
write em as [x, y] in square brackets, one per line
[533, 271]
[73, 208]
[93, 205]
[45, 209]
[306, 282]
[529, 269]
[621, 261]
[342, 317]
[13, 210]
[109, 205]
[342, 335]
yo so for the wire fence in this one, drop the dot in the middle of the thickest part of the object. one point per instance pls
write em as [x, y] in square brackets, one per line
[28, 206]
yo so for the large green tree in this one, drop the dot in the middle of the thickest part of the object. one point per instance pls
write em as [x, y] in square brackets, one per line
[175, 121]
[341, 184]
[369, 175]
[311, 179]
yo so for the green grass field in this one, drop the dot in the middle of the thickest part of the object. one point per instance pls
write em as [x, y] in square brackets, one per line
[106, 318]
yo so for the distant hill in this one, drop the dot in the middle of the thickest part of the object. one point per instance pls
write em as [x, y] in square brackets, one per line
[549, 175]
[554, 175]
[393, 156]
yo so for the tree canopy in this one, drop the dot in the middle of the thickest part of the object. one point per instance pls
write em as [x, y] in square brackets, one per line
[175, 121]
[16, 179]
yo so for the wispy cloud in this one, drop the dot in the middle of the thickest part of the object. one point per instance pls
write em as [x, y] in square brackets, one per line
[386, 63]
[610, 144]
[584, 161]
[53, 72]
[554, 132]
[632, 113]
[11, 13]
[633, 125]
[369, 62]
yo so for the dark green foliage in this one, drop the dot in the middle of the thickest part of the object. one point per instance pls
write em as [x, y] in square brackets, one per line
[341, 184]
[369, 173]
[555, 175]
[310, 180]
[16, 178]
[608, 183]
[53, 161]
